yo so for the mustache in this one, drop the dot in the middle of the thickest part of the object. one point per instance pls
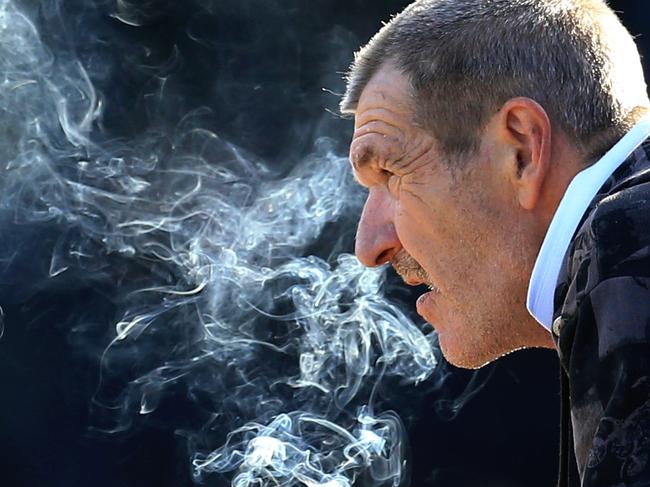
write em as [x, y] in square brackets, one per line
[408, 268]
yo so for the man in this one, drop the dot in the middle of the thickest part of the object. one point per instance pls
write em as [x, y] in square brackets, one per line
[504, 145]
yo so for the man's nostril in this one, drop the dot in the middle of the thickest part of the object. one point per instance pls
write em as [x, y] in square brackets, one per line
[384, 257]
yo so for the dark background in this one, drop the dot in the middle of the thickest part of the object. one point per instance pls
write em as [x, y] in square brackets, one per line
[262, 67]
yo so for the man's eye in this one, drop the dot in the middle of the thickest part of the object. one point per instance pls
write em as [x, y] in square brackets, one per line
[392, 181]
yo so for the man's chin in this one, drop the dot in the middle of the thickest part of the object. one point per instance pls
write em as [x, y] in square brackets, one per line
[468, 358]
[468, 346]
[467, 355]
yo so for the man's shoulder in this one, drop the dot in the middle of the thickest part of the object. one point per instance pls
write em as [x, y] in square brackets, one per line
[615, 230]
[613, 238]
[618, 228]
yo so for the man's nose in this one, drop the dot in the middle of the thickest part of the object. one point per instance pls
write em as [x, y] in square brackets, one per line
[377, 240]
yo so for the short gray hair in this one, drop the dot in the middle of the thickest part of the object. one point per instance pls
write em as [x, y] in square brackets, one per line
[465, 58]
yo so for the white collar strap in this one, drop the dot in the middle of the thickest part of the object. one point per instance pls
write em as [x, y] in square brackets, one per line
[576, 200]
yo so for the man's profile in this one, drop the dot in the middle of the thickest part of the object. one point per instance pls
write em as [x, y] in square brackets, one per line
[504, 145]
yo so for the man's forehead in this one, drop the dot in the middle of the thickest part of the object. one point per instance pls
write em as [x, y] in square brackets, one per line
[388, 89]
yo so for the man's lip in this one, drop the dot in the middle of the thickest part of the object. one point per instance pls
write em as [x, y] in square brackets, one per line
[425, 305]
[417, 282]
[412, 282]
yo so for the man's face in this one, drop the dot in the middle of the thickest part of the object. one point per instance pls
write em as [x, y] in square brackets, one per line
[451, 227]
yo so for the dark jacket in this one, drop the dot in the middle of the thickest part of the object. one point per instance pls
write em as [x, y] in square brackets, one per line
[602, 316]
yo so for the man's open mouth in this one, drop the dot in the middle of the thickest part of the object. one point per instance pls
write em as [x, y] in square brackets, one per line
[416, 281]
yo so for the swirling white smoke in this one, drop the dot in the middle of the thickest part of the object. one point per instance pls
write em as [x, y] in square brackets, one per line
[287, 350]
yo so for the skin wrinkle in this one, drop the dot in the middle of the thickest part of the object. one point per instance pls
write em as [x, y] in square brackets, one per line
[381, 114]
[369, 127]
[421, 149]
[390, 142]
[398, 168]
[415, 195]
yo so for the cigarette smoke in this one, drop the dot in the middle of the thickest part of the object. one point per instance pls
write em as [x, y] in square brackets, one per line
[221, 297]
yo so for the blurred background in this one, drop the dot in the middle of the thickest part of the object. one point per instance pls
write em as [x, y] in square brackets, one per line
[271, 73]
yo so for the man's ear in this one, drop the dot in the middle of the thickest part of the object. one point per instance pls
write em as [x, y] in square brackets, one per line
[524, 127]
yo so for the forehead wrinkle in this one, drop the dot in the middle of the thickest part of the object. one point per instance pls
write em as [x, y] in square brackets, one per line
[381, 128]
[373, 138]
[380, 113]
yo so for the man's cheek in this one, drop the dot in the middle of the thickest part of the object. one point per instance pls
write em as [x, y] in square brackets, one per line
[417, 242]
[417, 221]
[413, 208]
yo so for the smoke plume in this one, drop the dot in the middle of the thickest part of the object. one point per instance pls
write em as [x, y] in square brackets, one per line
[210, 249]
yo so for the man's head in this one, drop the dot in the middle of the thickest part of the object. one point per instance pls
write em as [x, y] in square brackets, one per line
[471, 118]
